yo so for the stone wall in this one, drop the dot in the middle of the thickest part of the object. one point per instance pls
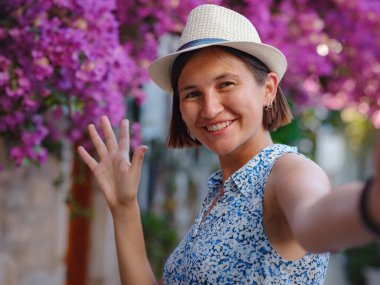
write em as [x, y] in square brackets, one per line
[34, 226]
[33, 222]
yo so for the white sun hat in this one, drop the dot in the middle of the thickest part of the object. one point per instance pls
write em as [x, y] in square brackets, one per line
[212, 25]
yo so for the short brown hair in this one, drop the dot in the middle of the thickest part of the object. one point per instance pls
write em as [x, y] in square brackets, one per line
[278, 115]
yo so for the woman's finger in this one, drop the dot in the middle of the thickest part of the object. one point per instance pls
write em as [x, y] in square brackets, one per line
[87, 158]
[124, 136]
[97, 141]
[109, 135]
[137, 160]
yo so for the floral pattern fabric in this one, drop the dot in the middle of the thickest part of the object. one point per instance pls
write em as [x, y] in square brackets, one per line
[230, 246]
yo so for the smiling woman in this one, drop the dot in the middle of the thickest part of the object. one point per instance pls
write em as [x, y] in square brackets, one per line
[222, 105]
[270, 215]
[276, 115]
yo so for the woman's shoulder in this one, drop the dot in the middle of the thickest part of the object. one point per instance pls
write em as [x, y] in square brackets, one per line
[293, 166]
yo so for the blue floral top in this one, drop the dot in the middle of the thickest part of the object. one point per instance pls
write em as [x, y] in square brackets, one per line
[230, 246]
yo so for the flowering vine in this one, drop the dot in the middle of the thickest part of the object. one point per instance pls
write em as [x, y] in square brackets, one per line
[64, 63]
[61, 67]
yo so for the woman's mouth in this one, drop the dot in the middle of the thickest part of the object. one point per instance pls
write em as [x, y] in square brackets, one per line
[218, 126]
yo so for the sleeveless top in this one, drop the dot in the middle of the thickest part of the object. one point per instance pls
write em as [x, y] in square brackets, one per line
[230, 246]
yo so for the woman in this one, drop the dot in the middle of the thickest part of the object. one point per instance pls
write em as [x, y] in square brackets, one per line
[270, 216]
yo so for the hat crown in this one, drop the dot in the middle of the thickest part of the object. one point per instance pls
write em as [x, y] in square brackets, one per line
[211, 25]
[215, 22]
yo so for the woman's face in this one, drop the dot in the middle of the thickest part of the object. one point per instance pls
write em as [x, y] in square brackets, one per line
[221, 102]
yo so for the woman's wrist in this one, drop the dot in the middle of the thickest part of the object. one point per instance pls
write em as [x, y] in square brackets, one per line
[367, 207]
[126, 211]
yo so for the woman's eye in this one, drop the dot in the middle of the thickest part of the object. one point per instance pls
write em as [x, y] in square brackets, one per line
[226, 84]
[191, 95]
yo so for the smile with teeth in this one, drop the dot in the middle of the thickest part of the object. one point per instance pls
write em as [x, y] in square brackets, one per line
[219, 126]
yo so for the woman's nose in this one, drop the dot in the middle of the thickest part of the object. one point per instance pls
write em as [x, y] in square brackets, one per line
[211, 106]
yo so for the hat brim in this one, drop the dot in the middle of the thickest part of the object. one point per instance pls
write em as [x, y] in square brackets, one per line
[159, 70]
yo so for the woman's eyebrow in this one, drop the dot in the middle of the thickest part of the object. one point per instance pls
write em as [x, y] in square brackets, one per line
[187, 87]
[221, 76]
[224, 75]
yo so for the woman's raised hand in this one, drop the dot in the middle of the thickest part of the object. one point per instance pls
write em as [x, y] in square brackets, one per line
[117, 175]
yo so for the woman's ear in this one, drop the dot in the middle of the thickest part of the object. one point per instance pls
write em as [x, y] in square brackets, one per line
[270, 85]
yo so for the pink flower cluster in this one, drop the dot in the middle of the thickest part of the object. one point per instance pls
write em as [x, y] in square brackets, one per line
[62, 66]
[356, 76]
[332, 47]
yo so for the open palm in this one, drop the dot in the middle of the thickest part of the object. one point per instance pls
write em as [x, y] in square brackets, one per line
[116, 174]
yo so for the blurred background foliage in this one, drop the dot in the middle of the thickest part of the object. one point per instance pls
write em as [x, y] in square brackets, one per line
[160, 239]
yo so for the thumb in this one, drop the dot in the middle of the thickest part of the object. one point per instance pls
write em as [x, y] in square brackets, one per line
[137, 159]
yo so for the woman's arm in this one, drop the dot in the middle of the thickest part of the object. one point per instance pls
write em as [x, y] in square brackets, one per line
[320, 218]
[119, 180]
[134, 265]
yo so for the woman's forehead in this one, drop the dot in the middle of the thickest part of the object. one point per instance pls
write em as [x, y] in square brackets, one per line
[212, 58]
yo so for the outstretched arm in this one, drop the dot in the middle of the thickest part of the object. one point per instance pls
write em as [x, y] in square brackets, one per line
[119, 180]
[321, 218]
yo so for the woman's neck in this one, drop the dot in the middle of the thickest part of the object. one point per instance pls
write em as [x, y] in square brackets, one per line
[231, 162]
